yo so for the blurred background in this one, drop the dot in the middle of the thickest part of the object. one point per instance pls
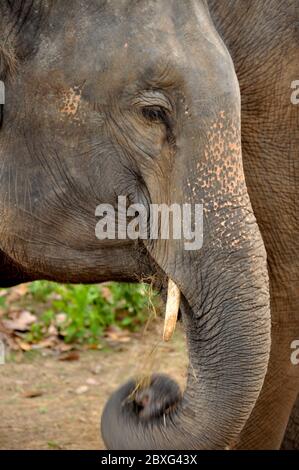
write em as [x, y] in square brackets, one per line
[66, 348]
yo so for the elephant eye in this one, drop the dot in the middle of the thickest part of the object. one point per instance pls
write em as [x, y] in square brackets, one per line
[155, 114]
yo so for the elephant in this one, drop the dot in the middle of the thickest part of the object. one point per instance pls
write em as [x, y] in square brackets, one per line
[165, 102]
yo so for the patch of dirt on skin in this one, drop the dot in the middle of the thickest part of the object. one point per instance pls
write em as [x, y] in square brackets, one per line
[50, 404]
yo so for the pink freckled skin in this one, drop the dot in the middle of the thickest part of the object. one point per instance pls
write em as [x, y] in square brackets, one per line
[220, 183]
[71, 102]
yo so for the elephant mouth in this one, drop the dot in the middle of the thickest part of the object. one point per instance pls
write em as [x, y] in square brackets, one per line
[158, 397]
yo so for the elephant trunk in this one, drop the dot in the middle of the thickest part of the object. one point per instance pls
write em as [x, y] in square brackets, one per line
[225, 311]
[225, 301]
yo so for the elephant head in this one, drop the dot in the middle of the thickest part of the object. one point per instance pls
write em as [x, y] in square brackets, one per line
[138, 99]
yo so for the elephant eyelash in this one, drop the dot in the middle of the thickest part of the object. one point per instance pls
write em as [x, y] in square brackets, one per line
[155, 114]
[160, 115]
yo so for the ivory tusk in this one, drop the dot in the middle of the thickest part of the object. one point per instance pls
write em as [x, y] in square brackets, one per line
[172, 310]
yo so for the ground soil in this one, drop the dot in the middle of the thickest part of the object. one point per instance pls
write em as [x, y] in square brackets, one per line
[66, 414]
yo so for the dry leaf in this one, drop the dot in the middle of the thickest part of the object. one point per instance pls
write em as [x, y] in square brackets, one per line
[46, 343]
[10, 342]
[21, 323]
[93, 347]
[71, 356]
[23, 345]
[116, 335]
[17, 292]
[97, 369]
[106, 293]
[60, 318]
[52, 331]
[91, 381]
[82, 389]
[20, 382]
[63, 347]
[118, 338]
[32, 394]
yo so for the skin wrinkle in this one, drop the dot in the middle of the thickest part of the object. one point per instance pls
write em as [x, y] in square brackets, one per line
[264, 46]
[212, 338]
[24, 16]
[8, 60]
[291, 437]
[223, 185]
[132, 154]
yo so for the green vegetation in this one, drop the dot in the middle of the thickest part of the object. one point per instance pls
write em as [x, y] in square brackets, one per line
[82, 313]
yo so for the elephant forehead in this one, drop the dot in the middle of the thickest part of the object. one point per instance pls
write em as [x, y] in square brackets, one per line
[93, 37]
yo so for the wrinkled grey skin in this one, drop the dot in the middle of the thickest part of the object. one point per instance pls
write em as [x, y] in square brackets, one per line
[263, 39]
[138, 99]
